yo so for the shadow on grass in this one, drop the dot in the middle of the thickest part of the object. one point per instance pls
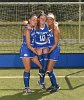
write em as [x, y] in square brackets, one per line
[37, 94]
[70, 84]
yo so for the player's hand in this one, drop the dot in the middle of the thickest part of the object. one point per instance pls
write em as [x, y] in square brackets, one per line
[55, 25]
[50, 51]
[29, 27]
[25, 22]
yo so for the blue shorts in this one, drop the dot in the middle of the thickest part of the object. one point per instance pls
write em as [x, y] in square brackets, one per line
[25, 52]
[54, 55]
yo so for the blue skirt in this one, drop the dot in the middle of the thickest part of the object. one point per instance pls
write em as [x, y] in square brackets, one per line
[54, 55]
[25, 52]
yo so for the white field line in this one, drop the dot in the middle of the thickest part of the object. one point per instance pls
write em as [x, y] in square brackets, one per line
[12, 77]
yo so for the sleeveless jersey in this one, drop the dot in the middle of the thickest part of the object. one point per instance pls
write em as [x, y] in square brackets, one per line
[54, 55]
[25, 52]
[41, 37]
[32, 38]
[50, 39]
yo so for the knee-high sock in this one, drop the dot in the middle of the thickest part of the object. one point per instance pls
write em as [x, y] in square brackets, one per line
[42, 79]
[40, 57]
[26, 77]
[50, 78]
[44, 66]
[45, 61]
[53, 79]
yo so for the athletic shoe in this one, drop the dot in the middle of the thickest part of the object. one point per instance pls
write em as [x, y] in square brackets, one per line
[42, 85]
[55, 89]
[28, 90]
[58, 87]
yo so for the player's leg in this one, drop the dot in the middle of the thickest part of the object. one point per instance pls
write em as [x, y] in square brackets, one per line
[53, 57]
[36, 61]
[26, 74]
[25, 56]
[50, 72]
[45, 58]
[54, 84]
[44, 66]
[40, 57]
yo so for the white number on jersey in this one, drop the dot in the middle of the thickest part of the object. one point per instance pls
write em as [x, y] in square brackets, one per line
[42, 38]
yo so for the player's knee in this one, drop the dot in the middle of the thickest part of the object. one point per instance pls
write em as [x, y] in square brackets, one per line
[27, 69]
[49, 69]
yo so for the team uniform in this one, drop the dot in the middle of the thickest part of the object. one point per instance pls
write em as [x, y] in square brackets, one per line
[41, 42]
[41, 37]
[25, 52]
[54, 55]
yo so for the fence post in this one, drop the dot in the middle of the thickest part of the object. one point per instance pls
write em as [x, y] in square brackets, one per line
[16, 14]
[79, 21]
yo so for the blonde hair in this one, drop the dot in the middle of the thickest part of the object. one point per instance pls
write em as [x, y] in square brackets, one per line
[51, 15]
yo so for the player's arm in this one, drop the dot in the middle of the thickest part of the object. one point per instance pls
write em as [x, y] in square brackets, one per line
[56, 25]
[56, 39]
[27, 33]
[25, 22]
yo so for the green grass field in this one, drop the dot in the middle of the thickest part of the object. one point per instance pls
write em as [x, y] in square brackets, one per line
[70, 80]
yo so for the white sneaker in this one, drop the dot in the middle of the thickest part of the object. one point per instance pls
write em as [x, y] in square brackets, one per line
[27, 90]
[42, 85]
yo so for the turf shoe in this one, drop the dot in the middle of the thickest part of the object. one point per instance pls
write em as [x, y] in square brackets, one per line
[58, 87]
[28, 90]
[55, 89]
[42, 85]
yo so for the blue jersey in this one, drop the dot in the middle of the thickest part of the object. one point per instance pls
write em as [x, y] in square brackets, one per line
[32, 38]
[25, 52]
[54, 55]
[41, 37]
[51, 40]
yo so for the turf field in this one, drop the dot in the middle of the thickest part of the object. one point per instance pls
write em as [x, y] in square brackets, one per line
[70, 80]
